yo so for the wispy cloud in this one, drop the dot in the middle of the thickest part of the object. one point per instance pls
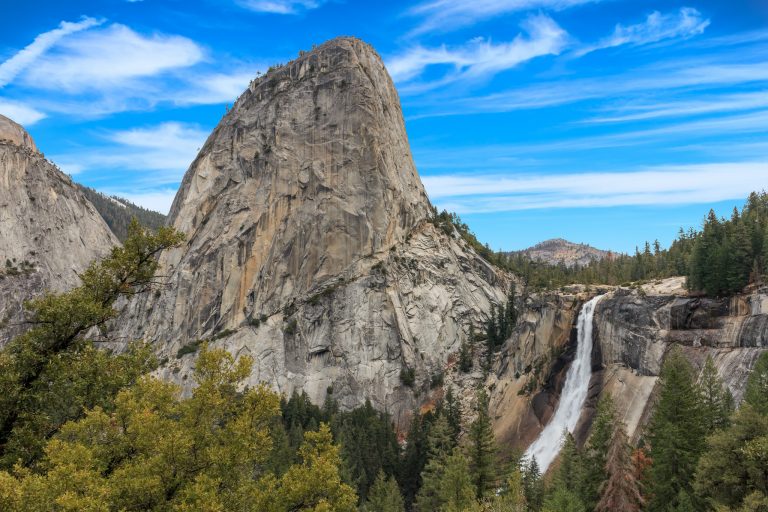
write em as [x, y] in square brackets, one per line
[19, 112]
[446, 15]
[685, 23]
[110, 57]
[42, 43]
[280, 6]
[647, 110]
[480, 58]
[156, 155]
[661, 186]
[89, 69]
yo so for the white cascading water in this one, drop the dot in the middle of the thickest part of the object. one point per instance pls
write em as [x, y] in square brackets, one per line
[547, 445]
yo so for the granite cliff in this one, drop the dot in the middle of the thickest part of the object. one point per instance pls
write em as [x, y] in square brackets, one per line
[633, 331]
[49, 232]
[309, 243]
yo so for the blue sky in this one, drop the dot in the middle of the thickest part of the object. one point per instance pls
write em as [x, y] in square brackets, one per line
[609, 122]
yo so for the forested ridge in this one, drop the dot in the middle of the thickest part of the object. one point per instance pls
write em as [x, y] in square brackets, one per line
[721, 258]
[117, 212]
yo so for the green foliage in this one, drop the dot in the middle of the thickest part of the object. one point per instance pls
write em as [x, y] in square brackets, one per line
[408, 376]
[384, 496]
[118, 213]
[156, 451]
[440, 445]
[735, 460]
[621, 489]
[451, 408]
[456, 492]
[596, 452]
[533, 486]
[676, 433]
[52, 373]
[756, 394]
[482, 450]
[465, 357]
[563, 500]
[716, 401]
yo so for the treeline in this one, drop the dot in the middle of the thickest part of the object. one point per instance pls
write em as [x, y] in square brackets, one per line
[118, 212]
[721, 259]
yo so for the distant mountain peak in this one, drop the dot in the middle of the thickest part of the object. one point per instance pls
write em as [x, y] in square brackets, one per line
[558, 250]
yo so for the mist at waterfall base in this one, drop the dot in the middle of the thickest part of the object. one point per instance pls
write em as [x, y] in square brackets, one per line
[574, 394]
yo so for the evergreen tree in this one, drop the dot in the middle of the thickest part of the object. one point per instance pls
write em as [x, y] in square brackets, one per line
[513, 498]
[53, 372]
[621, 490]
[676, 433]
[596, 452]
[482, 449]
[756, 393]
[465, 357]
[563, 500]
[569, 473]
[384, 496]
[440, 446]
[716, 400]
[415, 457]
[740, 258]
[533, 486]
[456, 490]
[735, 460]
[452, 411]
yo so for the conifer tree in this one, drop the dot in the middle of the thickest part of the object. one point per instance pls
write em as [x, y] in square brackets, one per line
[621, 490]
[533, 486]
[563, 500]
[482, 449]
[384, 496]
[716, 400]
[465, 357]
[596, 451]
[53, 372]
[570, 471]
[676, 433]
[513, 498]
[452, 411]
[756, 393]
[440, 446]
[456, 491]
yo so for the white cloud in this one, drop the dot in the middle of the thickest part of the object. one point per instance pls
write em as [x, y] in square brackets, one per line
[685, 23]
[215, 88]
[280, 6]
[20, 113]
[643, 110]
[670, 185]
[42, 43]
[445, 15]
[157, 155]
[108, 58]
[479, 57]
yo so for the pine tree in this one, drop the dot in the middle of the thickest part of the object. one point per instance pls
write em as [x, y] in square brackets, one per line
[684, 502]
[533, 486]
[53, 372]
[756, 394]
[465, 357]
[482, 450]
[452, 411]
[440, 446]
[676, 433]
[384, 495]
[596, 451]
[513, 499]
[716, 400]
[621, 490]
[456, 491]
[563, 500]
[570, 471]
[739, 257]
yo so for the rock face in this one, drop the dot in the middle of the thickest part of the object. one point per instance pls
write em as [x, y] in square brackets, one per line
[308, 242]
[633, 330]
[49, 232]
[557, 251]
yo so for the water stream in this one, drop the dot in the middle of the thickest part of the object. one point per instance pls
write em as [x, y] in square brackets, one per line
[546, 447]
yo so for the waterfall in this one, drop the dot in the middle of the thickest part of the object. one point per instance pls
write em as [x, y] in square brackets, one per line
[547, 445]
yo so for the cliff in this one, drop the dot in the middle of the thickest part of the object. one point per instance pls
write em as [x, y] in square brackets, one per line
[309, 244]
[49, 232]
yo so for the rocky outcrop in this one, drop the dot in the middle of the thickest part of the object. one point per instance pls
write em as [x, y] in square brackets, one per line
[634, 329]
[558, 251]
[49, 232]
[309, 244]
